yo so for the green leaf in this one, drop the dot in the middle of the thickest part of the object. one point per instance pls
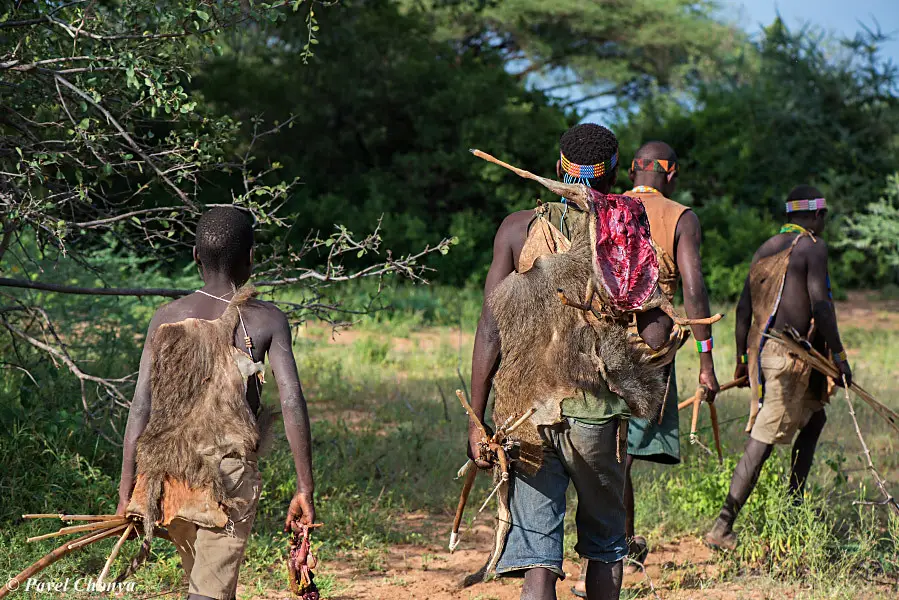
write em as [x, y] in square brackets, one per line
[202, 14]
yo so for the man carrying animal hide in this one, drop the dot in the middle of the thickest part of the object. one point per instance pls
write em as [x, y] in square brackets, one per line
[676, 232]
[194, 428]
[787, 287]
[578, 434]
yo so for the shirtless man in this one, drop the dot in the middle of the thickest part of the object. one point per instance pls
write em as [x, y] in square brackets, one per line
[224, 254]
[583, 447]
[787, 286]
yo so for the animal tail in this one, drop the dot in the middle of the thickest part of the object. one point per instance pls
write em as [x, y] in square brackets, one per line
[154, 496]
[231, 315]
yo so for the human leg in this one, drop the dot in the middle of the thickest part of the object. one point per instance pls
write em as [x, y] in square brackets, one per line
[592, 455]
[742, 483]
[804, 453]
[539, 584]
[533, 546]
[218, 552]
[604, 580]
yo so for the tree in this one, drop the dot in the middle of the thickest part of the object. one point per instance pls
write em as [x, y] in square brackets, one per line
[104, 147]
[874, 232]
[581, 51]
[795, 107]
[384, 118]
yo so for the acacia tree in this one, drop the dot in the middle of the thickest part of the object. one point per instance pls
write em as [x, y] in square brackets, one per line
[104, 146]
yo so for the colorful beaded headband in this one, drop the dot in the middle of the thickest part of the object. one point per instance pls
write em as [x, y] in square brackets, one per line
[589, 171]
[813, 204]
[654, 164]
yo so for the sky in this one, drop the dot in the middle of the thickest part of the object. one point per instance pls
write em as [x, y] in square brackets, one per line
[836, 16]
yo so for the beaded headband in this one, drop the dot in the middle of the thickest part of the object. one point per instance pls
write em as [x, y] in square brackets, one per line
[654, 164]
[589, 171]
[813, 204]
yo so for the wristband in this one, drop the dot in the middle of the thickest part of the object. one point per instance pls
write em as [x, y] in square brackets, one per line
[704, 346]
[840, 356]
[743, 359]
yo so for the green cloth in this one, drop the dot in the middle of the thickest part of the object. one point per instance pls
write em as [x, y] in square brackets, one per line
[657, 442]
[594, 410]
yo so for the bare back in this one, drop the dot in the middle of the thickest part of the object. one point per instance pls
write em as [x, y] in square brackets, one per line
[795, 308]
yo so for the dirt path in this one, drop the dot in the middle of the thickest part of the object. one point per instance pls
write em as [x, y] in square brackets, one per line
[428, 571]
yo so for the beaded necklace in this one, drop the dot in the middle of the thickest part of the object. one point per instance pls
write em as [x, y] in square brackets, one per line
[646, 189]
[794, 228]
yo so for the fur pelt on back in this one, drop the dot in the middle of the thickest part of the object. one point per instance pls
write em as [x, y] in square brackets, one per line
[551, 351]
[199, 415]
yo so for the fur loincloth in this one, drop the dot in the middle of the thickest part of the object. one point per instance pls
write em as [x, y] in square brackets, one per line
[199, 414]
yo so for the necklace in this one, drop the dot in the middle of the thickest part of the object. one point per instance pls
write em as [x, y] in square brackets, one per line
[794, 228]
[214, 296]
[646, 189]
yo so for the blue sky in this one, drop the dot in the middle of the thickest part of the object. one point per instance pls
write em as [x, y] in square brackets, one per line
[836, 16]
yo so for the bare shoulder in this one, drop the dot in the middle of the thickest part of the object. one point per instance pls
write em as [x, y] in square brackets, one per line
[514, 227]
[811, 250]
[688, 224]
[268, 314]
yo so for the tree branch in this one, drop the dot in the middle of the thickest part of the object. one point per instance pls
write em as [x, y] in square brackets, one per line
[134, 145]
[85, 291]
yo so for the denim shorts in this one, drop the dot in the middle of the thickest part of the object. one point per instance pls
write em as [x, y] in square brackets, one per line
[587, 455]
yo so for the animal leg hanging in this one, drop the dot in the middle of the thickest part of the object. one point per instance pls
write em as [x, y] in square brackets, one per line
[492, 449]
[300, 562]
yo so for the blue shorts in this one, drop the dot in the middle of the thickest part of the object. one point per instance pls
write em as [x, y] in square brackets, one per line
[588, 456]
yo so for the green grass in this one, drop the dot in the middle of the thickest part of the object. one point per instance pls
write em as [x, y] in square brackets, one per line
[386, 447]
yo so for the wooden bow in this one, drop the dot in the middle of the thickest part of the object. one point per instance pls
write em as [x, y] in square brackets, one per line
[492, 448]
[701, 395]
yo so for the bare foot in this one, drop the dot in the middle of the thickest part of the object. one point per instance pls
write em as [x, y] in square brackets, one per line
[721, 537]
[637, 551]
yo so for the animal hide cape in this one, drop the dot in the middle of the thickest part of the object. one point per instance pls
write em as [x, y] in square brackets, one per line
[551, 351]
[199, 414]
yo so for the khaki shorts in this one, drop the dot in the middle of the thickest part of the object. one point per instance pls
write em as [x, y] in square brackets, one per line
[789, 401]
[211, 557]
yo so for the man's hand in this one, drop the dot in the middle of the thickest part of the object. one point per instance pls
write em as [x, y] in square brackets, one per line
[475, 437]
[708, 379]
[845, 371]
[123, 504]
[740, 372]
[300, 512]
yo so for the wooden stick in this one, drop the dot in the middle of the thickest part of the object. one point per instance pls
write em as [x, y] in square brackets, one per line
[97, 536]
[471, 414]
[48, 560]
[76, 529]
[713, 414]
[697, 400]
[460, 509]
[888, 498]
[519, 422]
[731, 384]
[115, 553]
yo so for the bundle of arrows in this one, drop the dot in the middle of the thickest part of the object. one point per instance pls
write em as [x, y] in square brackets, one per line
[94, 528]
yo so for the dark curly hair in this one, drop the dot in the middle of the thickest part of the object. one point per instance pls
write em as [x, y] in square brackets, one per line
[590, 144]
[224, 238]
